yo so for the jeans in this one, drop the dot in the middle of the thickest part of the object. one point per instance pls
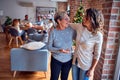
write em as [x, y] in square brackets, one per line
[23, 36]
[78, 73]
[57, 67]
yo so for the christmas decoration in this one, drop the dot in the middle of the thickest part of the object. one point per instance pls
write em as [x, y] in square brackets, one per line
[79, 14]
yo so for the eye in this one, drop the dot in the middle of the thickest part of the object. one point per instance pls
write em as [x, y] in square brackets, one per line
[66, 19]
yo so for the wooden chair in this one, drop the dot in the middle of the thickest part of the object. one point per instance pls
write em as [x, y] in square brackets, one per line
[14, 36]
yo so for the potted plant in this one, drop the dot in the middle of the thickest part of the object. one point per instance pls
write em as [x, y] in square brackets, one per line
[8, 21]
[6, 26]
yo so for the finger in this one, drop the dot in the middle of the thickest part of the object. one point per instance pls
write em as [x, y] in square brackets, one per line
[88, 74]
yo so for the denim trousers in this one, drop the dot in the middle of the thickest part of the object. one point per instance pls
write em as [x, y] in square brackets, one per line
[23, 36]
[58, 67]
[78, 73]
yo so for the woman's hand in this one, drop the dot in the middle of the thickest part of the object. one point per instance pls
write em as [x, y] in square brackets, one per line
[64, 51]
[90, 73]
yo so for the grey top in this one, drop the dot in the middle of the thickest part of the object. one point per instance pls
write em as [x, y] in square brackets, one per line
[86, 45]
[61, 39]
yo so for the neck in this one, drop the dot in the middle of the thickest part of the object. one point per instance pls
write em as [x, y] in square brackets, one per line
[60, 27]
[89, 28]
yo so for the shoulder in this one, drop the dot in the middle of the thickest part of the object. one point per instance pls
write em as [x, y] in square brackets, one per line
[69, 29]
[100, 36]
[75, 25]
[53, 31]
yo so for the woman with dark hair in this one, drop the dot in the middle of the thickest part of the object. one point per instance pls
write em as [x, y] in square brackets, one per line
[60, 44]
[88, 45]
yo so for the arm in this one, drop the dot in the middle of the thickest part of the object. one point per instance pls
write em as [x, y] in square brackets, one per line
[51, 42]
[97, 53]
[90, 72]
[52, 48]
[38, 27]
[75, 26]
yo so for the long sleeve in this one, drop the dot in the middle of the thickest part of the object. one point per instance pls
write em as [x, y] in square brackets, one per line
[51, 44]
[61, 39]
[75, 26]
[98, 46]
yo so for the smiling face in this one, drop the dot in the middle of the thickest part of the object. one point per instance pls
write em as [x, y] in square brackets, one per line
[62, 19]
[86, 22]
[91, 20]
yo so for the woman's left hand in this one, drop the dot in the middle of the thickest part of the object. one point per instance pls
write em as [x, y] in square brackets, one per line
[90, 73]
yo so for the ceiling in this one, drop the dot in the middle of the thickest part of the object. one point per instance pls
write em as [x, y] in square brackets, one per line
[59, 0]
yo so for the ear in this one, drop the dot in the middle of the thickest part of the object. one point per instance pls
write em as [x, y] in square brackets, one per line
[58, 21]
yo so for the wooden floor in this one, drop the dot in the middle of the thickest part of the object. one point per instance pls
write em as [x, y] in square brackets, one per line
[7, 74]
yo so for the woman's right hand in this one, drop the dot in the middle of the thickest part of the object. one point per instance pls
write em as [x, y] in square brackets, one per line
[64, 51]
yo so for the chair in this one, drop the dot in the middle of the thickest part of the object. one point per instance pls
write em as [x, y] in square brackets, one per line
[29, 60]
[38, 37]
[31, 31]
[15, 35]
[6, 31]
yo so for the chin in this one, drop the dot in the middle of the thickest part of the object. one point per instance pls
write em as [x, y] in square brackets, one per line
[67, 25]
[84, 25]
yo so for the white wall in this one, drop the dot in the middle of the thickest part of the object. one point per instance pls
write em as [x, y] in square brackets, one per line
[12, 9]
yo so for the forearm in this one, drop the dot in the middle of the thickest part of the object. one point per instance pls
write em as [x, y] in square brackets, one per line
[90, 72]
[75, 26]
[53, 49]
[56, 50]
[94, 63]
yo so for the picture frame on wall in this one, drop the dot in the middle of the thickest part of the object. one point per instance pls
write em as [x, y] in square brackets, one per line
[47, 12]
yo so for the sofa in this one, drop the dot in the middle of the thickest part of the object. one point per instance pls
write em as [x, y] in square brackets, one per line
[26, 60]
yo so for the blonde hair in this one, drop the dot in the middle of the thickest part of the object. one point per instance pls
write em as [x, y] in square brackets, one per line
[59, 15]
[101, 21]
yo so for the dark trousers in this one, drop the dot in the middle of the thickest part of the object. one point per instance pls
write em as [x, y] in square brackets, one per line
[57, 67]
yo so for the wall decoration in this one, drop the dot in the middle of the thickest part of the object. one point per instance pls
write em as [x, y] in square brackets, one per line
[45, 11]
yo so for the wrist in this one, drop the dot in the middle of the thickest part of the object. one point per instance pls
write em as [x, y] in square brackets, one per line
[92, 69]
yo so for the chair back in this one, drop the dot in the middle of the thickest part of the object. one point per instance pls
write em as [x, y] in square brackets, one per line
[31, 31]
[14, 32]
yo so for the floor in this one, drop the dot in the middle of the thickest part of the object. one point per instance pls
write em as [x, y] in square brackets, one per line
[7, 74]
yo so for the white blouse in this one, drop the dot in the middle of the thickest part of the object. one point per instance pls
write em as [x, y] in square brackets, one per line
[88, 46]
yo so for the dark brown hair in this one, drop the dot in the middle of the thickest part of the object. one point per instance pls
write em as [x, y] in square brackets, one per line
[96, 18]
[15, 21]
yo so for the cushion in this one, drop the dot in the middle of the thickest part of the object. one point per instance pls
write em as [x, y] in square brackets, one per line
[33, 45]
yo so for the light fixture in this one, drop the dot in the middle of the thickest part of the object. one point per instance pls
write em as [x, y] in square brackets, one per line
[59, 0]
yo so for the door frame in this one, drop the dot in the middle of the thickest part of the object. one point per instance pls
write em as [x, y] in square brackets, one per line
[117, 69]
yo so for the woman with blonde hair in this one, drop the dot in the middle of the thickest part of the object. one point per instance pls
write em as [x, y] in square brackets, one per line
[60, 44]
